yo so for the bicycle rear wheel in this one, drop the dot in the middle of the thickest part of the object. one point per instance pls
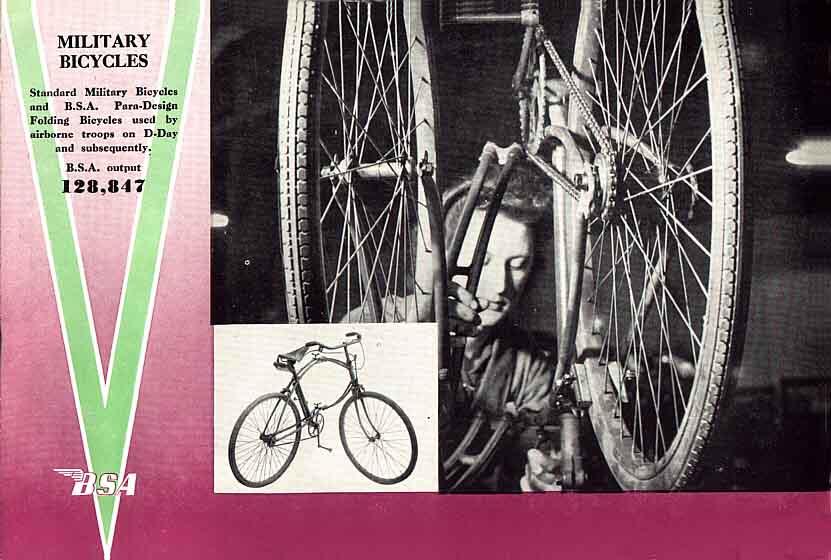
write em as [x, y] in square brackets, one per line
[264, 440]
[356, 119]
[378, 438]
[663, 294]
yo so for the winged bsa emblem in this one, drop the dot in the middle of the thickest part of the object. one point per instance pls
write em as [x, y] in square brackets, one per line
[107, 484]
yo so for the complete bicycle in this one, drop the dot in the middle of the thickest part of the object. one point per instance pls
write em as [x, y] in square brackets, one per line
[376, 434]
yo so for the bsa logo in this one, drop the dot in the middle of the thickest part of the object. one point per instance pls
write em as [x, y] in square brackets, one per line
[107, 483]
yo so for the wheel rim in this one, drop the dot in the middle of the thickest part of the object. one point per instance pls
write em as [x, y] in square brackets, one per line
[378, 439]
[265, 440]
[375, 124]
[650, 258]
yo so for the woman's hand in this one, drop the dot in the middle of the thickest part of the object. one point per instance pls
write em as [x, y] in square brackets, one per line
[542, 472]
[463, 311]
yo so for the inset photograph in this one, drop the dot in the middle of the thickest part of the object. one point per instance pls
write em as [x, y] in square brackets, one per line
[325, 408]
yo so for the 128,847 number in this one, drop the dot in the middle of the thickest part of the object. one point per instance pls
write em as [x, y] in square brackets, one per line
[94, 186]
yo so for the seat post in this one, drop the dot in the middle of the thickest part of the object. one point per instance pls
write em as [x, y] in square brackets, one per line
[301, 398]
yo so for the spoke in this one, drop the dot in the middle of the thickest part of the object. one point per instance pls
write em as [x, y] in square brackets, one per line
[659, 88]
[342, 267]
[677, 113]
[659, 186]
[686, 258]
[663, 284]
[340, 107]
[344, 235]
[670, 215]
[359, 64]
[382, 155]
[366, 76]
[376, 259]
[624, 255]
[622, 366]
[682, 257]
[393, 259]
[349, 241]
[677, 103]
[639, 80]
[382, 97]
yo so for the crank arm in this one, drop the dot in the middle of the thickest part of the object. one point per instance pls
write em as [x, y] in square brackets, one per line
[558, 178]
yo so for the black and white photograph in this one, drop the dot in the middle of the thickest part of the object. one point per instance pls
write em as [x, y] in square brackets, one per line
[609, 214]
[324, 408]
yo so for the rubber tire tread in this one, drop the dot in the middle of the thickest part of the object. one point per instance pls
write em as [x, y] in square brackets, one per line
[302, 251]
[711, 433]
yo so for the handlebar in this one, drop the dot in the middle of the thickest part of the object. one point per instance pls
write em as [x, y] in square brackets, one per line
[355, 338]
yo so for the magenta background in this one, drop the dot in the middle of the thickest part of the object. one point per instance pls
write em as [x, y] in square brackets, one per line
[175, 513]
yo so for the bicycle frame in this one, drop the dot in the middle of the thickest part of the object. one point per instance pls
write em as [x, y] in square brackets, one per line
[570, 220]
[294, 386]
[567, 161]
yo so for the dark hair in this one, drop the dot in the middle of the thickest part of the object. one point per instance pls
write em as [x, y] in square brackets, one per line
[527, 199]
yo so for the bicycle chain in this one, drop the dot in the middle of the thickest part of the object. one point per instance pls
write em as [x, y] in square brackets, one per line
[576, 93]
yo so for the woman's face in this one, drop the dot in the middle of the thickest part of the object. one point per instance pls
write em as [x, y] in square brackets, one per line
[507, 265]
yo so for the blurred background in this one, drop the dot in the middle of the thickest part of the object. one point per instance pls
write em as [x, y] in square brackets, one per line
[781, 415]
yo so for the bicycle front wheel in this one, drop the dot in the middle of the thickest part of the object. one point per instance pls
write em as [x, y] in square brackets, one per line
[662, 303]
[264, 440]
[378, 438]
[356, 120]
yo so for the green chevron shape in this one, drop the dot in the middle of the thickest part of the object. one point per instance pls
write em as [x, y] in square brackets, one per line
[106, 411]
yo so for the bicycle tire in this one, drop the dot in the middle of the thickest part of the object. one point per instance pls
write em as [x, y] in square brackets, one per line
[377, 421]
[375, 282]
[248, 448]
[656, 398]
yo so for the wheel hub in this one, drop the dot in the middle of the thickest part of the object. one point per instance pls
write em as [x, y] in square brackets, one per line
[605, 179]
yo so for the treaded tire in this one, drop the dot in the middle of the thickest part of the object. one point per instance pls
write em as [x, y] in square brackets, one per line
[299, 159]
[727, 291]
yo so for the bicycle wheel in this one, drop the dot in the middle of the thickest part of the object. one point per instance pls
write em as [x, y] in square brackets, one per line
[356, 119]
[264, 440]
[662, 308]
[378, 438]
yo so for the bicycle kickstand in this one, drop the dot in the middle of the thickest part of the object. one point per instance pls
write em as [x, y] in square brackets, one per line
[329, 449]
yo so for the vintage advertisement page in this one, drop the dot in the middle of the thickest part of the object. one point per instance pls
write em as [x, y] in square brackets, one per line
[106, 348]
[414, 278]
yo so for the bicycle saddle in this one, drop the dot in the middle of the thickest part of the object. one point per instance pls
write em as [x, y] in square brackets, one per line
[291, 358]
